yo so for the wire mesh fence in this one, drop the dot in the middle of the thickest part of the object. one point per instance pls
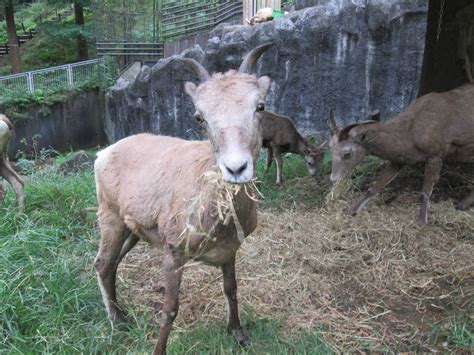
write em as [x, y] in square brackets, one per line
[95, 71]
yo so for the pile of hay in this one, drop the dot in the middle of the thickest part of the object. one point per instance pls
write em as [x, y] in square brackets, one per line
[372, 281]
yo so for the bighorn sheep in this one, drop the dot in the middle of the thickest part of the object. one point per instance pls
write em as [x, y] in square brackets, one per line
[6, 171]
[433, 128]
[146, 186]
[262, 15]
[279, 136]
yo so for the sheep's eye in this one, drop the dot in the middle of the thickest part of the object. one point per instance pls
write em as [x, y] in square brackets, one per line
[198, 118]
[260, 107]
[346, 155]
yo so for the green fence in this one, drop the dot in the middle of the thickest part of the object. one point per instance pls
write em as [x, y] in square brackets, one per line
[141, 27]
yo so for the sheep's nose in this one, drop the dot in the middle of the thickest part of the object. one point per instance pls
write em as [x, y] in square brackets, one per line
[238, 170]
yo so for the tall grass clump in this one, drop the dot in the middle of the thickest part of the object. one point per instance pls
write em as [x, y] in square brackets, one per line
[49, 300]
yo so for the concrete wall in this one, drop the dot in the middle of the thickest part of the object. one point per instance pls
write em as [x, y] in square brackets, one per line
[76, 123]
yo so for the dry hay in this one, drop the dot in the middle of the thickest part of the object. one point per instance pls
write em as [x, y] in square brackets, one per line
[370, 281]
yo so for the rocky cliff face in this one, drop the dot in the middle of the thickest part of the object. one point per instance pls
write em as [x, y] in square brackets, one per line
[354, 56]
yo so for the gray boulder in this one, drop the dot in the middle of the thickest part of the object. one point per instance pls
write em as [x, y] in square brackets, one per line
[354, 56]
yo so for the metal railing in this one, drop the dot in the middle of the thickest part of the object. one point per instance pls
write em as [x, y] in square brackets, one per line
[196, 17]
[125, 28]
[55, 78]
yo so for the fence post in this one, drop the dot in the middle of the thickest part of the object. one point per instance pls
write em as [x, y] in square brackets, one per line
[31, 84]
[70, 80]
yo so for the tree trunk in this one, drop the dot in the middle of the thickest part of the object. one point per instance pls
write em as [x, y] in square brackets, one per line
[442, 69]
[14, 51]
[83, 52]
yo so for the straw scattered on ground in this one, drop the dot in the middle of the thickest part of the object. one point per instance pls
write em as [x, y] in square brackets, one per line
[373, 281]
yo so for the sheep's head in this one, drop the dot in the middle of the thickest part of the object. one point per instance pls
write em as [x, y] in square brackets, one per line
[228, 107]
[347, 148]
[313, 155]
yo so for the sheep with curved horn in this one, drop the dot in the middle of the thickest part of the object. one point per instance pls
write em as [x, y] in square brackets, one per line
[164, 191]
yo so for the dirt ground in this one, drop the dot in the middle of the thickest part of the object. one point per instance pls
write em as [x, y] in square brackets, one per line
[368, 282]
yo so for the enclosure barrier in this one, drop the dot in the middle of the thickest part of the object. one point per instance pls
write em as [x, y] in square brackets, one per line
[132, 30]
[55, 78]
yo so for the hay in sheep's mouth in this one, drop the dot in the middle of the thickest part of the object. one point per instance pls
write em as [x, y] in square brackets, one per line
[372, 281]
[220, 197]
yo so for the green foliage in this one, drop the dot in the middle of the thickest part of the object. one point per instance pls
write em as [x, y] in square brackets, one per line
[457, 333]
[55, 42]
[15, 103]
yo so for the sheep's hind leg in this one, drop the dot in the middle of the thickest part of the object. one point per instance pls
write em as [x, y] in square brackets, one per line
[173, 271]
[16, 181]
[387, 176]
[230, 290]
[113, 236]
[432, 169]
[466, 203]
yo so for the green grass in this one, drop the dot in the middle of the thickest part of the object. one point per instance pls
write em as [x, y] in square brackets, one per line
[50, 302]
[290, 194]
[49, 299]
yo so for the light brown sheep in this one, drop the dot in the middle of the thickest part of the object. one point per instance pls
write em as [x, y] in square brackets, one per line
[433, 128]
[157, 189]
[6, 171]
[279, 136]
[263, 15]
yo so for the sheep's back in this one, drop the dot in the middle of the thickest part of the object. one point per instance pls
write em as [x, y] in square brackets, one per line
[151, 178]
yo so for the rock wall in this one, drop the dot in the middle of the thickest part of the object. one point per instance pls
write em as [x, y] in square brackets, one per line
[74, 124]
[354, 56]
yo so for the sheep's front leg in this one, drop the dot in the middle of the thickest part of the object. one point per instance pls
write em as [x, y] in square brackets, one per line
[432, 169]
[279, 161]
[269, 158]
[466, 202]
[173, 271]
[113, 236]
[230, 290]
[387, 176]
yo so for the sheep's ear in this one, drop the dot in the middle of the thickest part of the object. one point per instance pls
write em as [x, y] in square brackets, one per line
[264, 84]
[374, 116]
[332, 123]
[344, 133]
[190, 89]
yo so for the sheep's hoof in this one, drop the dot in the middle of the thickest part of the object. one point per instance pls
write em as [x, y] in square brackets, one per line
[119, 320]
[240, 336]
[351, 211]
[279, 182]
[423, 220]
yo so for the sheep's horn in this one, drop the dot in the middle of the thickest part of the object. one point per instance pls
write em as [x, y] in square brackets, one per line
[200, 71]
[332, 122]
[248, 64]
